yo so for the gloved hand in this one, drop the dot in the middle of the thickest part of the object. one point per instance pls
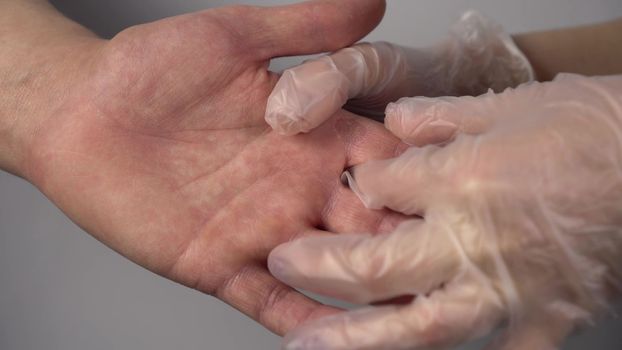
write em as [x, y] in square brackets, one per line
[476, 56]
[522, 224]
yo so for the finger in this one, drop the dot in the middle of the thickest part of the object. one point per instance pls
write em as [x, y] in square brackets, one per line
[359, 268]
[313, 26]
[365, 139]
[423, 121]
[407, 184]
[447, 318]
[278, 307]
[307, 95]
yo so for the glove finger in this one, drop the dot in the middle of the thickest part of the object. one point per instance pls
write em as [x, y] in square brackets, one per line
[305, 96]
[403, 184]
[415, 259]
[309, 94]
[448, 317]
[423, 121]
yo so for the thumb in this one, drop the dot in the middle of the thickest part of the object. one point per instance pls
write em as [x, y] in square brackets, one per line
[313, 26]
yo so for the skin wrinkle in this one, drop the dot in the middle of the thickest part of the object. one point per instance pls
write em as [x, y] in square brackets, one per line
[166, 138]
[223, 209]
[277, 294]
[229, 161]
[268, 46]
[276, 298]
[351, 130]
[137, 86]
[206, 223]
[222, 289]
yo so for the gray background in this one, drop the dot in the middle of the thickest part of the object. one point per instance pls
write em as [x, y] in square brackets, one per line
[61, 289]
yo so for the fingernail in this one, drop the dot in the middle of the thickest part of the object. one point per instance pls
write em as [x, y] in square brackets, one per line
[278, 267]
[344, 178]
[348, 177]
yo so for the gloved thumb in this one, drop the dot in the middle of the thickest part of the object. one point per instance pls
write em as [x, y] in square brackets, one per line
[309, 94]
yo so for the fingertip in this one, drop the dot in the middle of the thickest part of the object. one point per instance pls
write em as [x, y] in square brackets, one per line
[280, 264]
[284, 123]
[348, 177]
[276, 265]
[394, 121]
[421, 121]
[283, 112]
[401, 184]
[378, 184]
[306, 96]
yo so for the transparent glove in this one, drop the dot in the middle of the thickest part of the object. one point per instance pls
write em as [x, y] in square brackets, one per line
[521, 228]
[477, 55]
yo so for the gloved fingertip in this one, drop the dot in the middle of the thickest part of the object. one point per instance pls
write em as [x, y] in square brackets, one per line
[276, 267]
[284, 124]
[396, 121]
[420, 120]
[278, 264]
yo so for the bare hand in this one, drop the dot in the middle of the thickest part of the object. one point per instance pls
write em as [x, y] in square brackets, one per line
[160, 151]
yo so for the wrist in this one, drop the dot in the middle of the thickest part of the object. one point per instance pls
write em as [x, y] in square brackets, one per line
[44, 55]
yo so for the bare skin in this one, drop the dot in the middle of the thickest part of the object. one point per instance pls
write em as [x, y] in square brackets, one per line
[588, 50]
[154, 142]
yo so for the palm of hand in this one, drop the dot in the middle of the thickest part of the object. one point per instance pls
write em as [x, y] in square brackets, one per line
[169, 162]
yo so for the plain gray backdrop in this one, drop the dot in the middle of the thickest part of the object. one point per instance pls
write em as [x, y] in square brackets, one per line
[62, 290]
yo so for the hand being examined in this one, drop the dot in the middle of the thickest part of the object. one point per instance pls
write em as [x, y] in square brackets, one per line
[161, 152]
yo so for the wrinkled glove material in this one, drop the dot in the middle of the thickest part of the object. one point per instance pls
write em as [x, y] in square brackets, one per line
[521, 199]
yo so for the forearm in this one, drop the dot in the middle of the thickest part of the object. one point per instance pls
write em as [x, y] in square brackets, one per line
[588, 50]
[42, 54]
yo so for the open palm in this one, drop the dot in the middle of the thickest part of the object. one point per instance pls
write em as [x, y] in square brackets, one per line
[162, 152]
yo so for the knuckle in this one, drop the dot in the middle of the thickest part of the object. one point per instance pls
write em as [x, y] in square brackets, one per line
[272, 303]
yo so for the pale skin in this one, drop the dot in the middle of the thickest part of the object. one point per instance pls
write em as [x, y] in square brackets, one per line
[154, 142]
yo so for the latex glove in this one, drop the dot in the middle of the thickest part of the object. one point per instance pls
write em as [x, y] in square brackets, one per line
[522, 224]
[477, 55]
